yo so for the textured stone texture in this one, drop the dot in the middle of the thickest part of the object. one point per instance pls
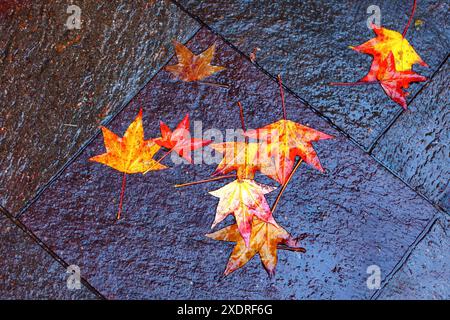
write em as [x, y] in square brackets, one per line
[356, 214]
[57, 85]
[307, 42]
[426, 273]
[416, 146]
[28, 272]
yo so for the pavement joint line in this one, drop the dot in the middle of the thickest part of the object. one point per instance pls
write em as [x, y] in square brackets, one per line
[406, 255]
[307, 104]
[398, 115]
[47, 249]
[95, 135]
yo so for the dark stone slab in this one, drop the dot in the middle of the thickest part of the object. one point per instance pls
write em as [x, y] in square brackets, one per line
[426, 273]
[307, 42]
[416, 146]
[357, 214]
[28, 272]
[58, 85]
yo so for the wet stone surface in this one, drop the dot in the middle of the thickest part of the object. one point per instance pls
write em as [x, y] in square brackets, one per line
[426, 272]
[28, 272]
[307, 42]
[58, 85]
[416, 146]
[356, 214]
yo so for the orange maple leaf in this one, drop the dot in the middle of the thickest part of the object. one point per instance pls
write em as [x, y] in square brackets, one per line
[243, 157]
[265, 239]
[129, 154]
[192, 67]
[244, 199]
[285, 141]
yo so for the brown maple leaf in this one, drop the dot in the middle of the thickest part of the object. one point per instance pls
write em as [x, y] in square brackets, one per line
[191, 67]
[264, 240]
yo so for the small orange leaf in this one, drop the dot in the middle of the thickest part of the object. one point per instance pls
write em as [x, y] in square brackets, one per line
[192, 67]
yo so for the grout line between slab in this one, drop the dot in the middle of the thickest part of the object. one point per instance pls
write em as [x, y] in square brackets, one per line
[306, 103]
[40, 243]
[95, 135]
[406, 255]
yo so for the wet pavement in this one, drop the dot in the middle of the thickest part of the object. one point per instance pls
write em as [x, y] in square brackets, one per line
[381, 200]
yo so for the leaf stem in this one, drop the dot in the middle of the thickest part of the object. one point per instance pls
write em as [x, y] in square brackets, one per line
[241, 115]
[280, 83]
[122, 193]
[213, 84]
[159, 161]
[204, 181]
[410, 18]
[285, 185]
[350, 84]
[295, 249]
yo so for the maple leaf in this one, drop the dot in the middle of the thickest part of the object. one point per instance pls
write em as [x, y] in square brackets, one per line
[264, 240]
[286, 140]
[391, 80]
[180, 140]
[130, 154]
[243, 157]
[388, 41]
[192, 67]
[244, 199]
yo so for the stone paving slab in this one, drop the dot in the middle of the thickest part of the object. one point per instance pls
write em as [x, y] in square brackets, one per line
[58, 85]
[416, 146]
[28, 272]
[426, 273]
[307, 41]
[357, 214]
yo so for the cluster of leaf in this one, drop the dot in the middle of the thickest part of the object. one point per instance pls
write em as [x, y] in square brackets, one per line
[133, 154]
[277, 147]
[275, 150]
[273, 153]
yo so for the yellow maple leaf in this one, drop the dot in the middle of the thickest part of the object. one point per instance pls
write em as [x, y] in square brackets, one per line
[130, 154]
[388, 41]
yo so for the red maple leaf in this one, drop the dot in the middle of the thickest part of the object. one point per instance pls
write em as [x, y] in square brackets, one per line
[391, 80]
[179, 140]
